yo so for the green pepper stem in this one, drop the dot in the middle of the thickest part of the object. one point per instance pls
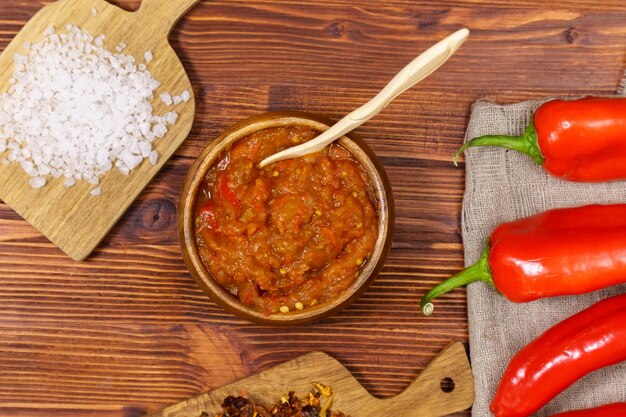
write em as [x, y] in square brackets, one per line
[526, 144]
[477, 272]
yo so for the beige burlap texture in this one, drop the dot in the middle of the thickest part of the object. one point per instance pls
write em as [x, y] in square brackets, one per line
[501, 186]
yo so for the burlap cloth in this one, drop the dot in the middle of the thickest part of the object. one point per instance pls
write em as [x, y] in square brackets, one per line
[501, 186]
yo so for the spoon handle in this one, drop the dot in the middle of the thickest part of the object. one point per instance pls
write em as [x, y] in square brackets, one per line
[418, 69]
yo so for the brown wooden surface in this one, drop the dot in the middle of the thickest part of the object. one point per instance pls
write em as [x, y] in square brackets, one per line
[425, 397]
[129, 331]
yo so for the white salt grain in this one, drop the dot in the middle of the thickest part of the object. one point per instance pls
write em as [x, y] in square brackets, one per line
[159, 130]
[19, 59]
[94, 12]
[170, 118]
[96, 191]
[166, 98]
[148, 56]
[144, 128]
[37, 182]
[131, 161]
[186, 96]
[177, 100]
[76, 110]
[145, 148]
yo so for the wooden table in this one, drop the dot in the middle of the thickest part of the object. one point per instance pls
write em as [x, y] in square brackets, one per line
[129, 331]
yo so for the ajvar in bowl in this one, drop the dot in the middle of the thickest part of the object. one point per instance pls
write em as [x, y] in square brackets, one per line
[295, 240]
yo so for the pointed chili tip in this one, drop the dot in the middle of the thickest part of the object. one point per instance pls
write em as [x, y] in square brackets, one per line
[427, 309]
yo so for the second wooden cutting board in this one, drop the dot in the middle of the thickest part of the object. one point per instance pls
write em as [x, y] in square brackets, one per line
[425, 397]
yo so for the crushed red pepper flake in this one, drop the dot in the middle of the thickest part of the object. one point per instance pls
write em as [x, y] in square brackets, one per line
[288, 406]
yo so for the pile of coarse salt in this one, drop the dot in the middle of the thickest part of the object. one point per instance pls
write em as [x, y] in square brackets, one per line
[75, 110]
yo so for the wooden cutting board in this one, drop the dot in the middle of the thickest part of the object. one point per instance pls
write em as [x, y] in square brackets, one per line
[423, 398]
[71, 218]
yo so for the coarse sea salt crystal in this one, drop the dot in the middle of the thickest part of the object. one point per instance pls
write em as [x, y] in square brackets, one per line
[145, 148]
[186, 96]
[19, 58]
[170, 118]
[166, 98]
[144, 128]
[37, 182]
[94, 12]
[159, 130]
[148, 56]
[76, 110]
[96, 191]
[131, 161]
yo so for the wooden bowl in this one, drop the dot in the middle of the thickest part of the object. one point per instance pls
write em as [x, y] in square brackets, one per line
[384, 204]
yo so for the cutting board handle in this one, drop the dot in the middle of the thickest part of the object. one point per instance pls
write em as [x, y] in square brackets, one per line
[167, 11]
[428, 397]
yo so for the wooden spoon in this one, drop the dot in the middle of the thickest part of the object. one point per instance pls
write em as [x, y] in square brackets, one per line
[420, 68]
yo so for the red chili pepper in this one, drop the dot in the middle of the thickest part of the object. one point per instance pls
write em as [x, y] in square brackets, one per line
[557, 252]
[609, 410]
[578, 140]
[592, 339]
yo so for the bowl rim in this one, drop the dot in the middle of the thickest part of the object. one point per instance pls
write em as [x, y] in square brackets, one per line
[384, 203]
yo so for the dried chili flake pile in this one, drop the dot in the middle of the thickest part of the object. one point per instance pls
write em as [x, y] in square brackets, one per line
[289, 406]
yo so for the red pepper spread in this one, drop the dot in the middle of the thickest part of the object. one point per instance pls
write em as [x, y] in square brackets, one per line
[290, 235]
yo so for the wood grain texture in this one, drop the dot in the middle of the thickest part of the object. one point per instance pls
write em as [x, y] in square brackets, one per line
[425, 397]
[71, 218]
[129, 332]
